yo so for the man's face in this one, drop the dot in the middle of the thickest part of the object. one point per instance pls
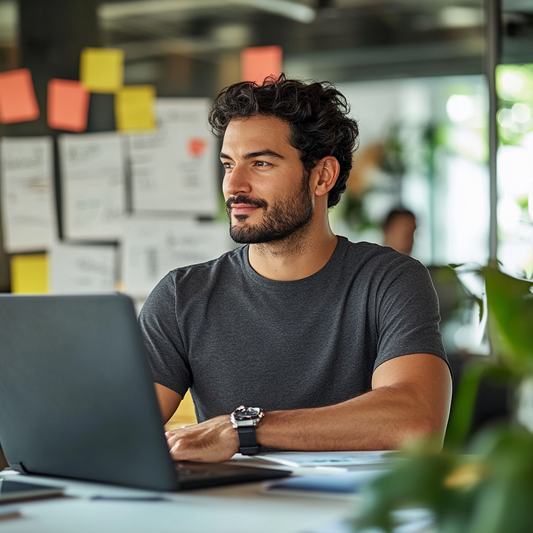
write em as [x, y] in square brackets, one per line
[265, 186]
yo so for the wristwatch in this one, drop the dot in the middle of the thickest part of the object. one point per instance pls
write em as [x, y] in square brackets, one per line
[245, 420]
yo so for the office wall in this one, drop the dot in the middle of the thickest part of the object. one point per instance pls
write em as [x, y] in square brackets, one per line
[194, 52]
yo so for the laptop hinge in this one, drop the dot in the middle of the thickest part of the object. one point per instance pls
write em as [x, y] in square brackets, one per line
[19, 467]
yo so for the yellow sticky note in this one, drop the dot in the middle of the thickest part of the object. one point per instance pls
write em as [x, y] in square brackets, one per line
[184, 415]
[102, 69]
[135, 108]
[29, 274]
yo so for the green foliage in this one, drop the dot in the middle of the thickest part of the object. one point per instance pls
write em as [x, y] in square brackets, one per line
[489, 489]
[510, 306]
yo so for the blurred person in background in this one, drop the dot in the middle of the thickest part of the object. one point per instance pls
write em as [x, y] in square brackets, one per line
[399, 230]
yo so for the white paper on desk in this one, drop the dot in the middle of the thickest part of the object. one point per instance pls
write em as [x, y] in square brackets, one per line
[93, 186]
[28, 203]
[151, 248]
[78, 269]
[174, 169]
[323, 459]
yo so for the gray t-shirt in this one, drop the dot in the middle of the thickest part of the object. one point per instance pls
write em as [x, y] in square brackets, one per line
[234, 337]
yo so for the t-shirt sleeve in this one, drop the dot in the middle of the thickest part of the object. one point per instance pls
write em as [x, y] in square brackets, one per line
[162, 338]
[408, 312]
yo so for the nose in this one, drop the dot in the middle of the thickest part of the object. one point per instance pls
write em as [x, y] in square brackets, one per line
[236, 181]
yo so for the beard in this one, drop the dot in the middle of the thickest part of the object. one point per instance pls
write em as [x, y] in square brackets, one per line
[281, 220]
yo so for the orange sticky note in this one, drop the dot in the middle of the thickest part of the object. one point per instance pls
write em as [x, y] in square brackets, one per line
[135, 108]
[17, 97]
[102, 69]
[196, 146]
[261, 61]
[29, 274]
[68, 105]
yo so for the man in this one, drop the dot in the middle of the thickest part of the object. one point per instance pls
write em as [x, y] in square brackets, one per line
[337, 342]
[399, 230]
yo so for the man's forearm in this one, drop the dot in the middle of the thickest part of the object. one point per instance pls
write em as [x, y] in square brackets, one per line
[384, 418]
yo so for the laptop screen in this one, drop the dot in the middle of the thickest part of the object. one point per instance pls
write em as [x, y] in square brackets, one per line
[76, 393]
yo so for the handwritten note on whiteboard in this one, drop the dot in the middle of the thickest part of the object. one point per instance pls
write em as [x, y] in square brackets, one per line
[93, 186]
[151, 248]
[76, 269]
[28, 205]
[174, 169]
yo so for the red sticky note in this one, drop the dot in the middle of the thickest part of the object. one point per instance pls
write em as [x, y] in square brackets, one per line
[68, 105]
[197, 146]
[261, 61]
[17, 97]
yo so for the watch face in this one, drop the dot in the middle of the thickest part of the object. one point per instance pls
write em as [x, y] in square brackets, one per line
[247, 413]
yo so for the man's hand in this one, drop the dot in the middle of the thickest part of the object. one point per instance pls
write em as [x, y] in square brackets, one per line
[212, 441]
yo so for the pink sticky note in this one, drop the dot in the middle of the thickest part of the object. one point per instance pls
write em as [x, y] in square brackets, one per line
[17, 97]
[68, 105]
[261, 61]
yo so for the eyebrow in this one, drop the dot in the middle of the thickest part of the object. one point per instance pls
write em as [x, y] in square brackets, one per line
[252, 155]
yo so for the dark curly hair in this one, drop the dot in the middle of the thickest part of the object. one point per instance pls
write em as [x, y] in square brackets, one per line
[317, 114]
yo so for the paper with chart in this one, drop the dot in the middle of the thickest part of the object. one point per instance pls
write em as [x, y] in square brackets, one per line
[151, 248]
[93, 186]
[76, 269]
[174, 169]
[28, 203]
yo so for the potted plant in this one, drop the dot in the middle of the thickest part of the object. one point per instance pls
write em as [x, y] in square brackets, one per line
[484, 485]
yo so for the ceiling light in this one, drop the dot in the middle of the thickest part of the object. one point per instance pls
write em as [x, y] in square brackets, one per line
[460, 17]
[285, 8]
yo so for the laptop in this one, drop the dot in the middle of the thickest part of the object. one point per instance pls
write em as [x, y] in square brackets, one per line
[77, 398]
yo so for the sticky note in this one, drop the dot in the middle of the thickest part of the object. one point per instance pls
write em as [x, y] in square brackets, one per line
[102, 69]
[184, 415]
[29, 274]
[196, 146]
[68, 105]
[135, 108]
[17, 97]
[261, 61]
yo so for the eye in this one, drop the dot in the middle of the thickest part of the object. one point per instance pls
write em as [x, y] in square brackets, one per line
[263, 164]
[228, 166]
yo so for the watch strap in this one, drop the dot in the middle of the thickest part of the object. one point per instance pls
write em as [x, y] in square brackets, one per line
[247, 440]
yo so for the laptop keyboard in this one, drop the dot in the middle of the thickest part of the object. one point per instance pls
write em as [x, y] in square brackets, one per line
[208, 470]
[198, 475]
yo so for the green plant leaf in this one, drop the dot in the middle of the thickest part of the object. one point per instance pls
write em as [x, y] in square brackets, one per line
[510, 308]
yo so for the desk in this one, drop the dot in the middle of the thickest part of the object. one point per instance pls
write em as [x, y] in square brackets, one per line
[230, 509]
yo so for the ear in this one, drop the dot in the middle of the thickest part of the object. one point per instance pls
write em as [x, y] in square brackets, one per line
[326, 173]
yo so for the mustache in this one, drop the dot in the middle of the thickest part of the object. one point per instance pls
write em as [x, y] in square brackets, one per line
[241, 199]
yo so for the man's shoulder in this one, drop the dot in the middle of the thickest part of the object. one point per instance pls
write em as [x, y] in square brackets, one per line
[377, 262]
[364, 252]
[230, 261]
[193, 280]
